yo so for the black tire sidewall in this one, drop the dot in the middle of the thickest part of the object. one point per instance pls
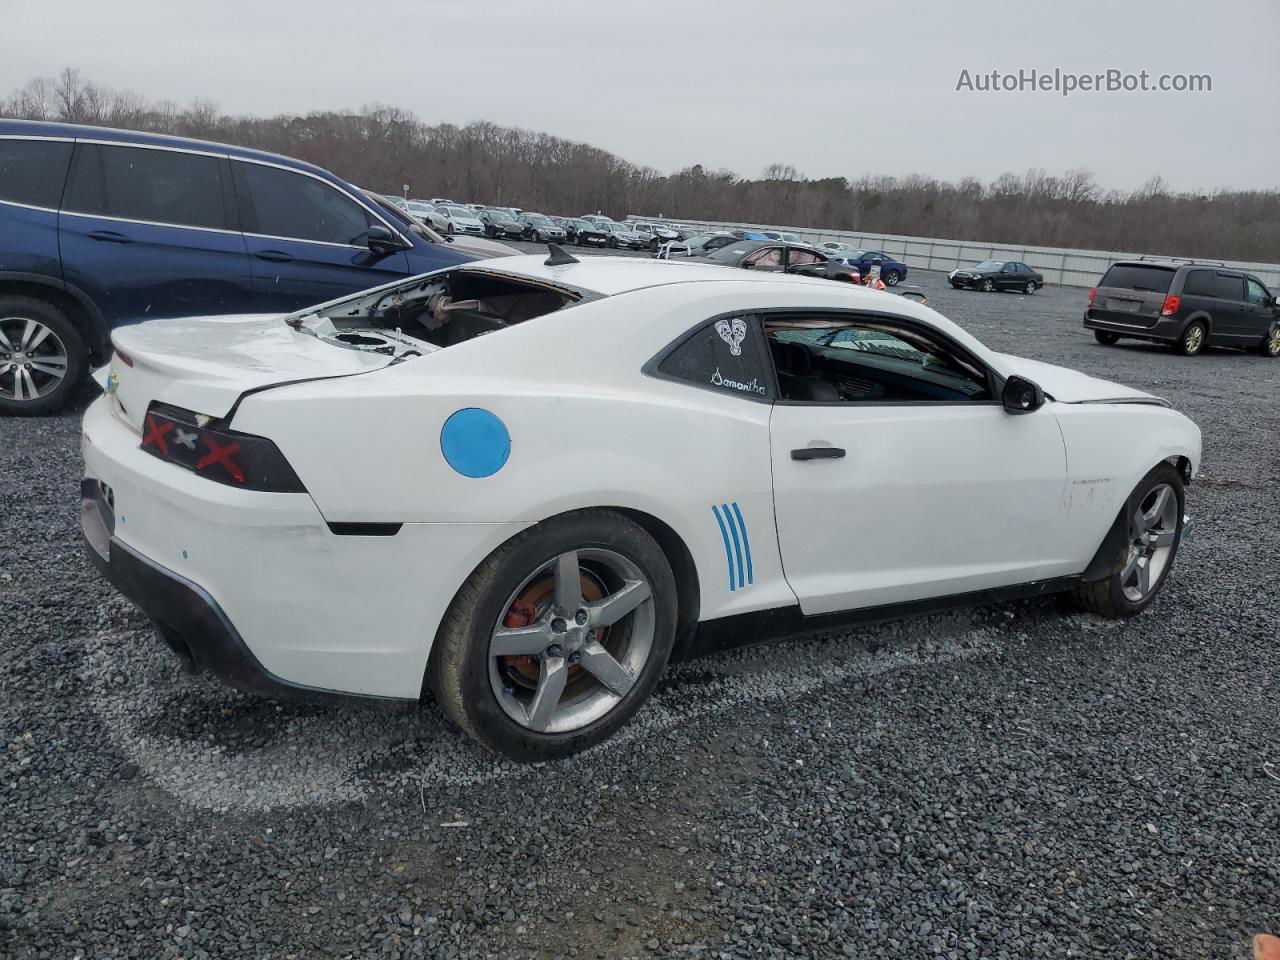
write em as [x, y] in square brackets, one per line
[581, 531]
[1162, 473]
[77, 355]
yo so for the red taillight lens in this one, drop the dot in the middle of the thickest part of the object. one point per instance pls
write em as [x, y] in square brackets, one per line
[222, 455]
[1171, 304]
[1093, 292]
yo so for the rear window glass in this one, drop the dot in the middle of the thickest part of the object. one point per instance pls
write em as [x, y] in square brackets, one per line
[1230, 288]
[724, 356]
[33, 171]
[1132, 276]
[155, 186]
[1199, 283]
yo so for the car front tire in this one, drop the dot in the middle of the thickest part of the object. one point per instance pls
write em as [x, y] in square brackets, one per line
[1138, 569]
[558, 637]
[43, 357]
[988, 285]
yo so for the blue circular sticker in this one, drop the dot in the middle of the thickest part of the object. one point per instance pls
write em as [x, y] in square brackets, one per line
[475, 442]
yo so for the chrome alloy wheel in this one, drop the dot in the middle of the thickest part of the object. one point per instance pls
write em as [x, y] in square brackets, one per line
[572, 640]
[1155, 529]
[1194, 340]
[1273, 342]
[33, 360]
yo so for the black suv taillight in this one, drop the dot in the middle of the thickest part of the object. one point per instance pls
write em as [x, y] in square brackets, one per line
[222, 455]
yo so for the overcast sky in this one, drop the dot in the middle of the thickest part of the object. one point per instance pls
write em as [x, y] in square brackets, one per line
[834, 88]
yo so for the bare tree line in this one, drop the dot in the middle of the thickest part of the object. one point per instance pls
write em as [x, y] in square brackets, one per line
[382, 147]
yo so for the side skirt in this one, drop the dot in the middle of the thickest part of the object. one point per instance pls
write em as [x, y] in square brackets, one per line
[764, 626]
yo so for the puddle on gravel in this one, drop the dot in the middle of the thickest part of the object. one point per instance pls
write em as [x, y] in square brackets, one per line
[217, 749]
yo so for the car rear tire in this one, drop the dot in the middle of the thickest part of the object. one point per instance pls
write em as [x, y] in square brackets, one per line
[1030, 288]
[1270, 346]
[892, 277]
[558, 637]
[988, 285]
[43, 357]
[613, 244]
[955, 286]
[1106, 338]
[1193, 339]
[1153, 518]
[449, 229]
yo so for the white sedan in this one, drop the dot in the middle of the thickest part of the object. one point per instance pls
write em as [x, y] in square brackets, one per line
[527, 484]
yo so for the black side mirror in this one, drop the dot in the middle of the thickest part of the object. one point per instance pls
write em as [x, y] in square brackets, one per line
[382, 240]
[1021, 395]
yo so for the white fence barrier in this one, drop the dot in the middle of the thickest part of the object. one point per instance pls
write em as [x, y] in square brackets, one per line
[1070, 268]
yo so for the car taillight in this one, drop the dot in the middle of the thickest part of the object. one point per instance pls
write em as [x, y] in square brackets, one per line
[1093, 292]
[1171, 304]
[224, 456]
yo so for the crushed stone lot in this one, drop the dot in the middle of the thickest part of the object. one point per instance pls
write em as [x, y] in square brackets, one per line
[1019, 780]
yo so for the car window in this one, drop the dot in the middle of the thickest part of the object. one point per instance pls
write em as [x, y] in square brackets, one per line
[1199, 283]
[1229, 287]
[34, 171]
[281, 203]
[854, 361]
[799, 257]
[157, 186]
[1257, 293]
[1135, 276]
[723, 355]
[768, 257]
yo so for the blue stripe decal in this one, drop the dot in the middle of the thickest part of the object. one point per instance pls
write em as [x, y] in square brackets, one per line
[737, 547]
[745, 542]
[728, 556]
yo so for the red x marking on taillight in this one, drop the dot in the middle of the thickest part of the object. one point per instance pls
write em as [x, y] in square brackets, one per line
[155, 433]
[222, 455]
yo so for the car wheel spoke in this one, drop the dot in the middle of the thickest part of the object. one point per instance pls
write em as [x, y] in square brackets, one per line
[1144, 575]
[607, 612]
[1157, 509]
[34, 335]
[1161, 538]
[520, 641]
[600, 663]
[551, 681]
[568, 583]
[1131, 565]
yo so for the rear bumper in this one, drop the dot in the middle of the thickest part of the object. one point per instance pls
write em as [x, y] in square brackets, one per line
[1166, 329]
[186, 617]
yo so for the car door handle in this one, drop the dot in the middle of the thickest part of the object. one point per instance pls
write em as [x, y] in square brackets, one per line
[109, 236]
[817, 453]
[275, 256]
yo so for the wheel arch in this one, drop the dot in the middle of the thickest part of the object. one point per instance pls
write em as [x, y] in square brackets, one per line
[73, 302]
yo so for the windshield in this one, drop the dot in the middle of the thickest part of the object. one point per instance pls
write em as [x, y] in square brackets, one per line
[420, 207]
[990, 265]
[539, 221]
[461, 212]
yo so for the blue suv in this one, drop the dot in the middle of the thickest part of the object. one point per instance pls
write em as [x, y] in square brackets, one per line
[100, 228]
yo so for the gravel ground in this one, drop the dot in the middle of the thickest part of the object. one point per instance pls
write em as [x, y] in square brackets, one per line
[1013, 781]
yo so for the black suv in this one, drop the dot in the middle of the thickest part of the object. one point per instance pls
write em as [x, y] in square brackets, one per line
[1190, 305]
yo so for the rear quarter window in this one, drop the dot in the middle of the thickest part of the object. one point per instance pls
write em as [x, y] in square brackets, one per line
[33, 172]
[1199, 283]
[725, 355]
[1130, 276]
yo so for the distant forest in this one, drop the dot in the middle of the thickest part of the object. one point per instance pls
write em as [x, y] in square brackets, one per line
[382, 147]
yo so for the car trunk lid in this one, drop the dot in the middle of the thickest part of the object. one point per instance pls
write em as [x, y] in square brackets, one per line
[204, 365]
[1132, 294]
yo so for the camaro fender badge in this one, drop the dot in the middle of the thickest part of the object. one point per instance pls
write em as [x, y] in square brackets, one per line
[737, 548]
[732, 332]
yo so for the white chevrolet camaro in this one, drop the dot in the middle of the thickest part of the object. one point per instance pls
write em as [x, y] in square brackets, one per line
[527, 484]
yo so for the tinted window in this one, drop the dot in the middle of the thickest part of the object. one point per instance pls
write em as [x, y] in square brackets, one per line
[280, 203]
[873, 363]
[160, 186]
[1257, 292]
[723, 356]
[33, 171]
[1229, 288]
[1199, 283]
[1132, 276]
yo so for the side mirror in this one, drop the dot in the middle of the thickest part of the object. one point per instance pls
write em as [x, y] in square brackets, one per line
[381, 240]
[1275, 301]
[1021, 395]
